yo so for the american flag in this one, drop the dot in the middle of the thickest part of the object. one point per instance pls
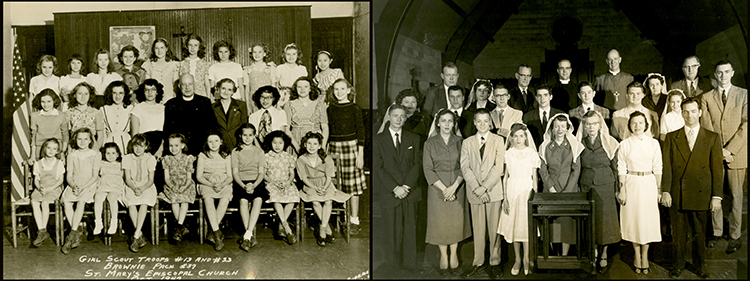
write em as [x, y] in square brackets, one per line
[20, 142]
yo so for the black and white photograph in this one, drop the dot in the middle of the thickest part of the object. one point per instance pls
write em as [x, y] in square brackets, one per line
[550, 139]
[186, 140]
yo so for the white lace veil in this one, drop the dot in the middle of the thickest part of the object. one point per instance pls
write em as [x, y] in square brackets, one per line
[575, 144]
[529, 139]
[434, 130]
[609, 143]
[473, 96]
[666, 108]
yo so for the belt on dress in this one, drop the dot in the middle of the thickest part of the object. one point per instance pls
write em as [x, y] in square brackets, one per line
[640, 173]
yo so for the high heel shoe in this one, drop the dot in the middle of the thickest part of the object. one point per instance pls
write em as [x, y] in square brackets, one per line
[526, 268]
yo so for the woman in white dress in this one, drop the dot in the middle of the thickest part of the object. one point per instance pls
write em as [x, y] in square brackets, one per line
[639, 168]
[147, 116]
[102, 73]
[68, 82]
[671, 119]
[163, 66]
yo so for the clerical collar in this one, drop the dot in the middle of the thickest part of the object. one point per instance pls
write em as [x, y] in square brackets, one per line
[614, 73]
[188, 99]
[565, 82]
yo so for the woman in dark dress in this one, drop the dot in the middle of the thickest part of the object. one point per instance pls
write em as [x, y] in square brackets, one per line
[479, 96]
[416, 122]
[598, 173]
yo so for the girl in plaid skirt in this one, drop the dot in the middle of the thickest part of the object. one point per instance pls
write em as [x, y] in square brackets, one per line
[346, 143]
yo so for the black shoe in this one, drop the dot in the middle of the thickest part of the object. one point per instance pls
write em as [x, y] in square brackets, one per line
[354, 229]
[321, 241]
[675, 273]
[219, 243]
[495, 272]
[713, 241]
[454, 271]
[253, 241]
[473, 271]
[245, 245]
[442, 272]
[733, 246]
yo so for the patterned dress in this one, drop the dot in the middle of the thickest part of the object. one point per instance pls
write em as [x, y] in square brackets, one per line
[181, 173]
[280, 189]
[84, 116]
[199, 69]
[111, 178]
[83, 165]
[48, 174]
[166, 75]
[215, 171]
[316, 173]
[139, 168]
[325, 81]
[256, 78]
[303, 119]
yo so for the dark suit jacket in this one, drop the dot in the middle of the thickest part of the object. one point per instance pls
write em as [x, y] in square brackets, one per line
[657, 107]
[692, 178]
[237, 117]
[192, 118]
[536, 128]
[516, 100]
[473, 106]
[434, 100]
[704, 85]
[391, 168]
[466, 124]
[564, 97]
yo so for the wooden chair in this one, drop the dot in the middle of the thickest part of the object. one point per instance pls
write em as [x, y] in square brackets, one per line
[340, 210]
[158, 224]
[28, 213]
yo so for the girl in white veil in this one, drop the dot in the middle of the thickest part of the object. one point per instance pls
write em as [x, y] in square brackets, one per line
[671, 118]
[472, 102]
[521, 164]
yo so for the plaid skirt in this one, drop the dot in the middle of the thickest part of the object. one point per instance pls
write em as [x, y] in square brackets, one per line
[353, 179]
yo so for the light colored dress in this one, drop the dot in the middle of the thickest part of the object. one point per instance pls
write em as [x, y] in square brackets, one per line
[100, 82]
[67, 83]
[199, 69]
[231, 70]
[116, 120]
[317, 173]
[325, 81]
[670, 122]
[111, 178]
[639, 217]
[84, 165]
[87, 117]
[215, 170]
[166, 75]
[303, 119]
[286, 74]
[521, 165]
[37, 84]
[280, 190]
[181, 173]
[139, 168]
[48, 175]
[150, 116]
[256, 78]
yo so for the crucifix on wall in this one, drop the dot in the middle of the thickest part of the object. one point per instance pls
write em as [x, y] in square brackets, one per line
[182, 36]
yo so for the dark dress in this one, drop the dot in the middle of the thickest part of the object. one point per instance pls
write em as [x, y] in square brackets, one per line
[418, 124]
[558, 170]
[447, 222]
[597, 173]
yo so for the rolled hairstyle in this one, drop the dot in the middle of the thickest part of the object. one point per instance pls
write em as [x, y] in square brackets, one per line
[167, 57]
[45, 58]
[311, 135]
[314, 91]
[140, 93]
[108, 100]
[201, 48]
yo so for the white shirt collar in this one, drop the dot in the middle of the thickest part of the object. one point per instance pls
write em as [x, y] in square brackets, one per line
[393, 133]
[614, 73]
[460, 110]
[587, 106]
[565, 82]
[721, 90]
[502, 109]
[694, 129]
[479, 137]
[541, 114]
[524, 89]
[189, 99]
[51, 112]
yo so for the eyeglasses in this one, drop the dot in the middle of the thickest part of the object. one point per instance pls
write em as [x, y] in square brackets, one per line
[266, 97]
[503, 95]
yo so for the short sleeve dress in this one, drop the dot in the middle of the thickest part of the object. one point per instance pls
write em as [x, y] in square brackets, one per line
[277, 173]
[256, 78]
[214, 170]
[48, 173]
[83, 165]
[325, 81]
[166, 75]
[305, 119]
[80, 117]
[316, 173]
[181, 173]
[521, 165]
[639, 219]
[199, 69]
[111, 178]
[139, 168]
[286, 74]
[116, 119]
[248, 162]
[231, 70]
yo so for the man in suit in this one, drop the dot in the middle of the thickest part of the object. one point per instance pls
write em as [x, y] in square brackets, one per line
[613, 84]
[690, 185]
[397, 165]
[586, 93]
[437, 97]
[482, 158]
[564, 91]
[188, 114]
[522, 97]
[537, 119]
[725, 112]
[465, 117]
[503, 116]
[692, 85]
[635, 93]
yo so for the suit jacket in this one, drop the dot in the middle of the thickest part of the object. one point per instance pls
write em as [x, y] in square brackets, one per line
[534, 123]
[564, 96]
[510, 117]
[729, 121]
[392, 168]
[434, 100]
[704, 85]
[657, 107]
[473, 106]
[192, 118]
[577, 113]
[692, 177]
[516, 99]
[237, 117]
[466, 123]
[486, 171]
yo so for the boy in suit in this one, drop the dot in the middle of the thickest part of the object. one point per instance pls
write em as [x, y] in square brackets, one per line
[686, 176]
[482, 159]
[537, 118]
[503, 116]
[397, 164]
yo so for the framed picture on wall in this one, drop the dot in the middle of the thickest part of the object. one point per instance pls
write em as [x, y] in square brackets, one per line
[139, 36]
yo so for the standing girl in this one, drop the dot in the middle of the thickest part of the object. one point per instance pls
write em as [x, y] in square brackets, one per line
[139, 166]
[326, 75]
[111, 186]
[214, 174]
[127, 57]
[102, 73]
[258, 73]
[82, 114]
[179, 188]
[76, 67]
[316, 171]
[306, 112]
[47, 122]
[46, 76]
[248, 171]
[163, 67]
[116, 114]
[521, 162]
[48, 179]
[224, 67]
[147, 116]
[292, 67]
[285, 93]
[196, 64]
[279, 178]
[347, 144]
[83, 175]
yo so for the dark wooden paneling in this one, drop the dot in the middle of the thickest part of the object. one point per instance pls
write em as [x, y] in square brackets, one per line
[334, 35]
[86, 32]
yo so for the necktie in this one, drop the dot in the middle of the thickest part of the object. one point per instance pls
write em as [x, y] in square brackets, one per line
[456, 112]
[523, 92]
[692, 88]
[691, 138]
[501, 118]
[481, 148]
[544, 119]
[398, 142]
[265, 124]
[724, 97]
